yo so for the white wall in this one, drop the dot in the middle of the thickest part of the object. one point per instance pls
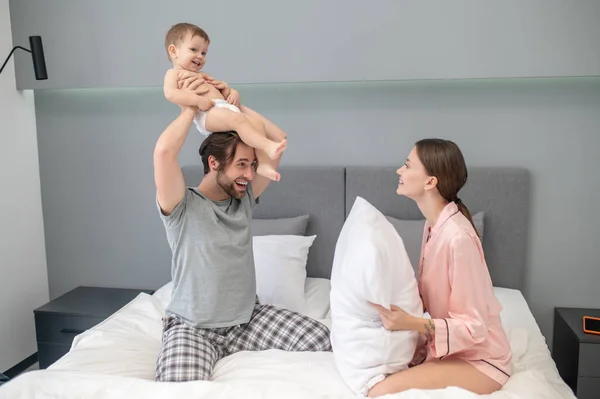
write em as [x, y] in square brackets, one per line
[23, 272]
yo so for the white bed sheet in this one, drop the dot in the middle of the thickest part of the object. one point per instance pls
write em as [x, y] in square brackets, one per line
[116, 359]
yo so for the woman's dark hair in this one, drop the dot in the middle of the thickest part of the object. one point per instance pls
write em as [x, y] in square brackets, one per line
[444, 160]
[220, 145]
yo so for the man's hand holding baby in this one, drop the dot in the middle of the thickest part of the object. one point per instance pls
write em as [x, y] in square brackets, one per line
[193, 81]
[232, 96]
[190, 81]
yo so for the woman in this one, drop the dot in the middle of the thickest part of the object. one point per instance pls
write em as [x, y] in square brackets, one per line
[463, 344]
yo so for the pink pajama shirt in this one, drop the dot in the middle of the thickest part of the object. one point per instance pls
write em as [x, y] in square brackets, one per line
[457, 291]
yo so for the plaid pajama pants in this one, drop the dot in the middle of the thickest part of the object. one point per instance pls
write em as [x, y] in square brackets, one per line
[190, 353]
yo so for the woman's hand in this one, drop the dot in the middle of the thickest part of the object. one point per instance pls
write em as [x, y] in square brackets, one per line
[394, 319]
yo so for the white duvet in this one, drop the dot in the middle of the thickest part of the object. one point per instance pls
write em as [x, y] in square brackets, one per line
[116, 359]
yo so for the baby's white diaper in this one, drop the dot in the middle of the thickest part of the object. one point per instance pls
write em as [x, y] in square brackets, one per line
[200, 118]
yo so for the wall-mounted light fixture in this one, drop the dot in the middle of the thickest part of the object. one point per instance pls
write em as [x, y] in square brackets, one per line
[37, 55]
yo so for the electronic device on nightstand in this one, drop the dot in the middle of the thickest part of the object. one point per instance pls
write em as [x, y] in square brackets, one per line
[591, 325]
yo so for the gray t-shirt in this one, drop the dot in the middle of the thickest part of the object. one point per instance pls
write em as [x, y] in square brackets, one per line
[212, 267]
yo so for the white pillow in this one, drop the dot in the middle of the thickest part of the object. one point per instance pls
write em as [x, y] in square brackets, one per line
[370, 265]
[163, 294]
[316, 294]
[280, 262]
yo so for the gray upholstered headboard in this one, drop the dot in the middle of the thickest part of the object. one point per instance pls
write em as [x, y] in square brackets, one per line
[501, 193]
[314, 191]
[327, 193]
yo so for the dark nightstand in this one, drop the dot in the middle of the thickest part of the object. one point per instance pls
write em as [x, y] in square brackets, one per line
[577, 354]
[60, 320]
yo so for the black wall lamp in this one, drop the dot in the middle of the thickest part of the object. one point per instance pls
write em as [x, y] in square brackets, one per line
[37, 55]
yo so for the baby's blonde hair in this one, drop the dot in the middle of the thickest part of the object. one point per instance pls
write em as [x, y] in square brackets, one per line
[179, 32]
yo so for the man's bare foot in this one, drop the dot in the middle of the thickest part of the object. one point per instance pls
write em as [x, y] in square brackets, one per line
[268, 172]
[275, 149]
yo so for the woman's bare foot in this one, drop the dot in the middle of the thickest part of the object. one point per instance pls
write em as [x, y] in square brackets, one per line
[274, 150]
[268, 172]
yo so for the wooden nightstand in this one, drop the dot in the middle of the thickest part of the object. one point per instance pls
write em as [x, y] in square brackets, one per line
[60, 320]
[577, 354]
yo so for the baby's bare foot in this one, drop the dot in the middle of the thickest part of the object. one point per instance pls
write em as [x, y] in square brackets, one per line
[268, 171]
[276, 149]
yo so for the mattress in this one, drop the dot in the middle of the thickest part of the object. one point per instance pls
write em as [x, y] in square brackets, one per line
[116, 359]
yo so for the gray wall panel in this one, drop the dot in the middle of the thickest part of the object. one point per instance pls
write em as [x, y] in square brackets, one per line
[114, 43]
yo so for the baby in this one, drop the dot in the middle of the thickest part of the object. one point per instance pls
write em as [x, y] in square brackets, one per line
[218, 105]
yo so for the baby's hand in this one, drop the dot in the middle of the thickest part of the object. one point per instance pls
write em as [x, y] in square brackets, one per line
[234, 98]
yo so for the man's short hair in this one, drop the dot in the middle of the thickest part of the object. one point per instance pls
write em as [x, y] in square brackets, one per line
[222, 146]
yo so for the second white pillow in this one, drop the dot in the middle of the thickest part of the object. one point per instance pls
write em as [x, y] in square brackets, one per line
[280, 263]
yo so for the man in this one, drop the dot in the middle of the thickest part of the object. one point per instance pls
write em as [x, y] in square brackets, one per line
[214, 311]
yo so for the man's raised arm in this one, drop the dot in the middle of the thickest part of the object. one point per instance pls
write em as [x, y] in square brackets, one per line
[170, 186]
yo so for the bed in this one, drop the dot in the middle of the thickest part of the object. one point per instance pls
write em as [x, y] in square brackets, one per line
[116, 358]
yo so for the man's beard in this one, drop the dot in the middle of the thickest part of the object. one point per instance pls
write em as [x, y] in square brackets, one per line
[229, 186]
